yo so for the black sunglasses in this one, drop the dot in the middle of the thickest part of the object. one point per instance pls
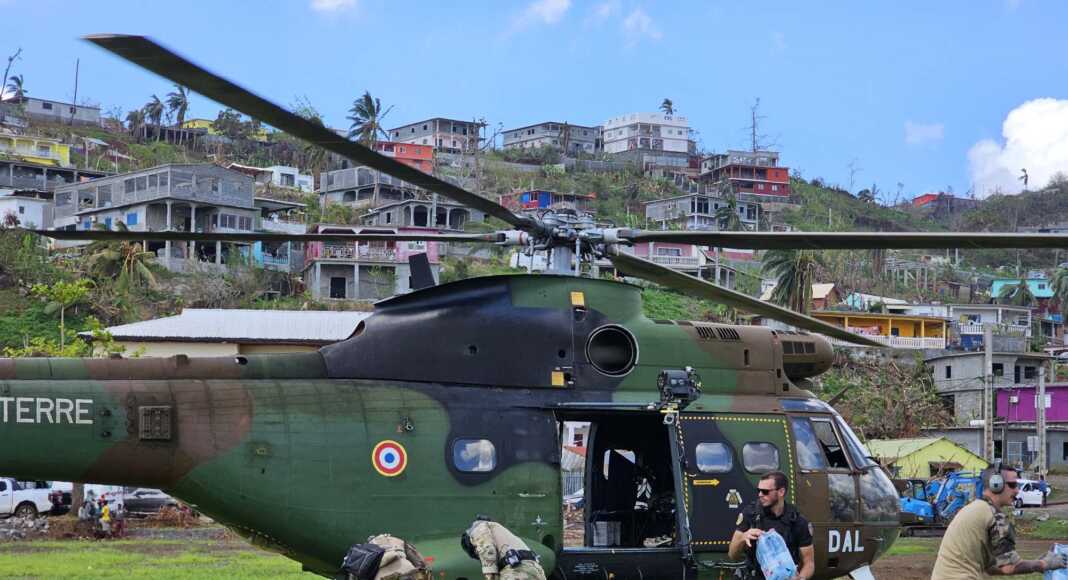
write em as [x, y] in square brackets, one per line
[1012, 484]
[762, 491]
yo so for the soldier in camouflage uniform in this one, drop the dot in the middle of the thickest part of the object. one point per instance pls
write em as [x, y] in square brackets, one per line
[503, 555]
[981, 542]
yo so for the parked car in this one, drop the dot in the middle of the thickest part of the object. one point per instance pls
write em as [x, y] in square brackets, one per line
[25, 499]
[1029, 494]
[144, 501]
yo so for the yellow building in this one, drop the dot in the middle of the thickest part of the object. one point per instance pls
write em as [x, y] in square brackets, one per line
[208, 125]
[35, 149]
[923, 458]
[895, 330]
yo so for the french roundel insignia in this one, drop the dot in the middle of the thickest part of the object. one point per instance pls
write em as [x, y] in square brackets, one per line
[389, 458]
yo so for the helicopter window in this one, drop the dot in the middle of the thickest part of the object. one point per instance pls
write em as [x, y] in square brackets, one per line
[714, 458]
[809, 452]
[760, 457]
[832, 447]
[861, 458]
[474, 455]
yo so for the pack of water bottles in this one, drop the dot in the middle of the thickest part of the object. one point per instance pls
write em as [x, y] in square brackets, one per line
[774, 557]
[1058, 574]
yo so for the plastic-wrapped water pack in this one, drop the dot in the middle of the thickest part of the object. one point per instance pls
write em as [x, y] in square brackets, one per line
[1059, 574]
[774, 557]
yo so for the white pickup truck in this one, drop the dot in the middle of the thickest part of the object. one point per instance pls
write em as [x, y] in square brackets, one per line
[24, 499]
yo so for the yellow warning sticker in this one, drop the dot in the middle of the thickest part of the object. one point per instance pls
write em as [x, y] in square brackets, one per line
[558, 378]
[711, 482]
[578, 299]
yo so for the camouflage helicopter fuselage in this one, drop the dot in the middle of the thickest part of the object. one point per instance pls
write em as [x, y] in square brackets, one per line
[280, 447]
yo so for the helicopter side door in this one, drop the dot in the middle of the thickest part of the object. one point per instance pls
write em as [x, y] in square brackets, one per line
[724, 456]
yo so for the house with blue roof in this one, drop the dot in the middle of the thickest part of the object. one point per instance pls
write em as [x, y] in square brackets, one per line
[1041, 288]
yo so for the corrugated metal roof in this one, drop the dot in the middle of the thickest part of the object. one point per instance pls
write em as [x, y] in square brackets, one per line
[893, 449]
[233, 325]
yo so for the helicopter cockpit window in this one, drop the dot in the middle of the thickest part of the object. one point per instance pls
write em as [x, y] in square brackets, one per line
[714, 458]
[809, 453]
[861, 457]
[474, 455]
[760, 457]
[832, 447]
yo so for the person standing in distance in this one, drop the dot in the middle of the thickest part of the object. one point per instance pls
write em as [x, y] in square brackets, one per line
[980, 542]
[771, 511]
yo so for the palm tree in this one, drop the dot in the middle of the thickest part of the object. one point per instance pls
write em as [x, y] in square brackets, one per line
[668, 107]
[125, 262]
[178, 103]
[794, 271]
[153, 109]
[14, 86]
[135, 122]
[727, 216]
[315, 156]
[1060, 287]
[1016, 294]
[367, 115]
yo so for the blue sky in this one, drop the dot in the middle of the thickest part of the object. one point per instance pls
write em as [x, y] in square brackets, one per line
[915, 92]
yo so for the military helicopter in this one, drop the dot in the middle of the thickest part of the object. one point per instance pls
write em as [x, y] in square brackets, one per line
[308, 453]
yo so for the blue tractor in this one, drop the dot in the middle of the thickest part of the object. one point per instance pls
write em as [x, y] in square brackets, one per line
[931, 505]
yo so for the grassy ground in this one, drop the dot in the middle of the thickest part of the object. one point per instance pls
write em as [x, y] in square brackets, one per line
[129, 559]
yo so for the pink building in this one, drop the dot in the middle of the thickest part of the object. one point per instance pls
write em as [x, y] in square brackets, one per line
[364, 270]
[1017, 404]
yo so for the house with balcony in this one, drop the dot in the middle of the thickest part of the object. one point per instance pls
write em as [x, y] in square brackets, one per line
[753, 172]
[893, 330]
[444, 135]
[421, 213]
[365, 270]
[651, 140]
[356, 187]
[39, 150]
[698, 212]
[688, 258]
[282, 176]
[535, 200]
[174, 197]
[572, 139]
[281, 217]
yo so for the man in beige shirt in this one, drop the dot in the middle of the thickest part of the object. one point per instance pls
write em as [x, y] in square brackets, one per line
[980, 542]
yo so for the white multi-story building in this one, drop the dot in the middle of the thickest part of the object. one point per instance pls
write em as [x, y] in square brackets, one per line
[662, 139]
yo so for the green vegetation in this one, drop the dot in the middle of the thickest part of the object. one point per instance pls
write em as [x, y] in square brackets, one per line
[911, 546]
[827, 209]
[157, 559]
[669, 305]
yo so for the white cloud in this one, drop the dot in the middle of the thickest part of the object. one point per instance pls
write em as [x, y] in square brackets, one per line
[920, 133]
[539, 12]
[605, 10]
[332, 5]
[638, 25]
[1035, 138]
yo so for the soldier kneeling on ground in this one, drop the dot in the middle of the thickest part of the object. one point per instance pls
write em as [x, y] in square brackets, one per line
[503, 555]
[383, 557]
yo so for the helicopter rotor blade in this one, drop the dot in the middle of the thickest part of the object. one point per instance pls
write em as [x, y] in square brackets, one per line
[110, 235]
[687, 284]
[851, 240]
[149, 55]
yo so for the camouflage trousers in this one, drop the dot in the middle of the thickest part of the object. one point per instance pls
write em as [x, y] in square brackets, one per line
[526, 570]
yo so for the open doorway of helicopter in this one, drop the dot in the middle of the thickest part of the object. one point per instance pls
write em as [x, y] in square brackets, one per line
[618, 482]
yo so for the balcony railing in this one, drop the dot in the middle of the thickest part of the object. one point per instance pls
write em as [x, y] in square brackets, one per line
[676, 261]
[365, 254]
[1000, 329]
[281, 261]
[912, 342]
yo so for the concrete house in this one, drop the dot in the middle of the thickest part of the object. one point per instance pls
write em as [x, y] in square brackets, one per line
[355, 187]
[958, 377]
[923, 458]
[578, 138]
[445, 135]
[698, 212]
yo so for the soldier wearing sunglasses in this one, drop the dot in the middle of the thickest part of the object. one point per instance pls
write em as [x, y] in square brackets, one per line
[771, 511]
[980, 542]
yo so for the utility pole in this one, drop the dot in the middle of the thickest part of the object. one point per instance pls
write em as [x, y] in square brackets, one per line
[1040, 425]
[988, 393]
[74, 109]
